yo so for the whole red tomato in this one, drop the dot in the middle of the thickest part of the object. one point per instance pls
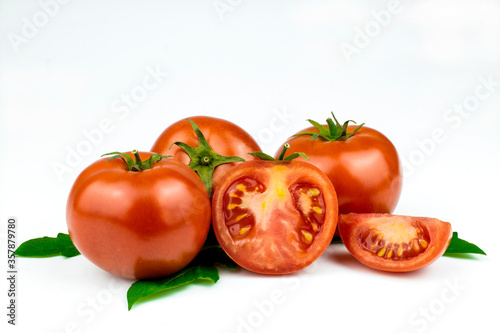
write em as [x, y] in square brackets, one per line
[274, 217]
[361, 162]
[224, 137]
[138, 220]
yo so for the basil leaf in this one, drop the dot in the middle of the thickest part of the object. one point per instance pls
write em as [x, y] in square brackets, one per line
[458, 246]
[201, 268]
[48, 247]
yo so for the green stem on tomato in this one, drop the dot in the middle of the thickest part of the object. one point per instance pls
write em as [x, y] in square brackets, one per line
[283, 151]
[281, 157]
[138, 164]
[334, 132]
[137, 157]
[203, 159]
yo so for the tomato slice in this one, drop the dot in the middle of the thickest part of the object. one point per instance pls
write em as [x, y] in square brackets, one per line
[394, 243]
[274, 217]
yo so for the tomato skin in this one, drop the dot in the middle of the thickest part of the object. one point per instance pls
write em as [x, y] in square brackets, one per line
[275, 243]
[225, 138]
[433, 237]
[365, 169]
[138, 225]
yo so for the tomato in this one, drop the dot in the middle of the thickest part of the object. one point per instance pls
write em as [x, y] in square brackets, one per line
[274, 217]
[364, 167]
[394, 243]
[138, 224]
[224, 137]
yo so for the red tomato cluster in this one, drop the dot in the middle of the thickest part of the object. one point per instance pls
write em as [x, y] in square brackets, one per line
[147, 215]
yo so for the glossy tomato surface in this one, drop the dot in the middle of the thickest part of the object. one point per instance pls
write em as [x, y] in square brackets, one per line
[274, 217]
[225, 138]
[394, 243]
[365, 169]
[138, 225]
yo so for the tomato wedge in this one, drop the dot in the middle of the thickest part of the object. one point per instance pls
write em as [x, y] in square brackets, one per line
[274, 217]
[394, 243]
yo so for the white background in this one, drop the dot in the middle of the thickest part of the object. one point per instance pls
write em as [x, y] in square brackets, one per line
[67, 67]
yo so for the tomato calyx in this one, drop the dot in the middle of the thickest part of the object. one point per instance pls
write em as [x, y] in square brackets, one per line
[281, 157]
[138, 164]
[334, 132]
[203, 159]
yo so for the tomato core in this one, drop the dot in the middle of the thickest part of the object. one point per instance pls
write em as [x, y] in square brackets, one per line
[274, 217]
[393, 241]
[245, 204]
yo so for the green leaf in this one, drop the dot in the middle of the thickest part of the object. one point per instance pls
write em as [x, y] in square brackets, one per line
[460, 246]
[48, 247]
[144, 288]
[203, 267]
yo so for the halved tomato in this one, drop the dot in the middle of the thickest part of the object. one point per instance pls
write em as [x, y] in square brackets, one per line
[394, 243]
[274, 217]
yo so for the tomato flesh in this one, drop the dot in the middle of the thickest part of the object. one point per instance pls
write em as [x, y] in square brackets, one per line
[396, 241]
[393, 242]
[274, 217]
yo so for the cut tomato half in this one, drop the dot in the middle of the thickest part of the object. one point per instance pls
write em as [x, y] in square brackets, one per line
[274, 217]
[394, 243]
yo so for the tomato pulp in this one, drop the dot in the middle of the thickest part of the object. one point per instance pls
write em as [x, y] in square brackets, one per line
[394, 243]
[274, 217]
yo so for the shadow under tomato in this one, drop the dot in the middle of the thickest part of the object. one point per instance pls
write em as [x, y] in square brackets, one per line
[339, 255]
[467, 256]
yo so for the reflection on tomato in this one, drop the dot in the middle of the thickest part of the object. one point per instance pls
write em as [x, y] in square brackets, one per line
[394, 243]
[138, 224]
[274, 217]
